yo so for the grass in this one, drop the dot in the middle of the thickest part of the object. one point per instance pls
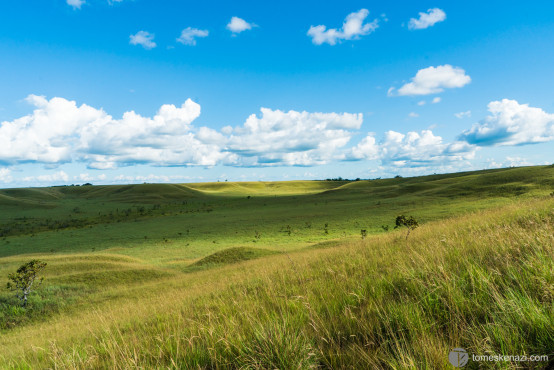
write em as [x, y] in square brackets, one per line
[477, 274]
[231, 255]
[188, 222]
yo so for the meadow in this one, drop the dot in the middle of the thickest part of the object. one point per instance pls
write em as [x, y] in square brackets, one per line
[277, 274]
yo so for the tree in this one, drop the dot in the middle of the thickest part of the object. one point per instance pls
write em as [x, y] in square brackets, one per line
[23, 279]
[410, 222]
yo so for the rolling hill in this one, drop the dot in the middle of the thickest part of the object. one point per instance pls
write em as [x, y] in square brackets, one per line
[258, 275]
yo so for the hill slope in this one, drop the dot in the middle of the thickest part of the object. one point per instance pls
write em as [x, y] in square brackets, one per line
[278, 272]
[482, 282]
[192, 221]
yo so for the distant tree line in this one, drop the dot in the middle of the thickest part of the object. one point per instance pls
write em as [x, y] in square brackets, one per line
[341, 179]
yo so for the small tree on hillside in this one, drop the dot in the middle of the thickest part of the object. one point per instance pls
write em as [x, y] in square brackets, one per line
[410, 222]
[23, 279]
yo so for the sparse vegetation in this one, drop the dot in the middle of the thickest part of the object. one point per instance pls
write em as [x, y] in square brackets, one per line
[24, 278]
[406, 221]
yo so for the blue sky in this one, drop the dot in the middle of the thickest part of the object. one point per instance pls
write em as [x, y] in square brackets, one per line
[171, 91]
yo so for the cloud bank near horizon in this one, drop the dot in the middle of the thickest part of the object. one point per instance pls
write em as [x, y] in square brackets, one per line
[58, 131]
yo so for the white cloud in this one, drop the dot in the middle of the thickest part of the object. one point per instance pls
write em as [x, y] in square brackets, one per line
[48, 134]
[352, 28]
[436, 100]
[412, 150]
[463, 114]
[428, 19]
[76, 4]
[511, 123]
[59, 131]
[413, 115]
[292, 138]
[433, 80]
[237, 25]
[152, 178]
[518, 162]
[59, 176]
[510, 162]
[189, 35]
[166, 139]
[420, 103]
[367, 149]
[143, 38]
[86, 177]
[5, 175]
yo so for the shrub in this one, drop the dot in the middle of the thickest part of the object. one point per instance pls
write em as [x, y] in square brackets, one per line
[409, 222]
[23, 279]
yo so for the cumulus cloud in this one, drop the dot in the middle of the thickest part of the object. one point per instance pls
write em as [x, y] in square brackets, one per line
[152, 178]
[48, 134]
[413, 115]
[59, 176]
[143, 38]
[463, 114]
[367, 148]
[86, 177]
[421, 102]
[292, 138]
[5, 175]
[189, 35]
[413, 149]
[167, 139]
[59, 131]
[352, 28]
[433, 80]
[238, 25]
[76, 4]
[518, 161]
[511, 123]
[421, 149]
[510, 162]
[427, 20]
[436, 100]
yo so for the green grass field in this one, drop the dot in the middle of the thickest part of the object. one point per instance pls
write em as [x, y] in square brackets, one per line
[276, 274]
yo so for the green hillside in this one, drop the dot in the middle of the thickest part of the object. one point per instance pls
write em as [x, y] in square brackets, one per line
[276, 275]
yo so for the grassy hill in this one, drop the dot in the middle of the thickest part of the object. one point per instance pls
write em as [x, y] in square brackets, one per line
[259, 275]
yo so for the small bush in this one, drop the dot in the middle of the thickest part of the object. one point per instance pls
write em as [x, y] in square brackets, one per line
[23, 279]
[409, 222]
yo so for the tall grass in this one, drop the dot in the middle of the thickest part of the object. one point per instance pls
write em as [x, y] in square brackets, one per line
[482, 282]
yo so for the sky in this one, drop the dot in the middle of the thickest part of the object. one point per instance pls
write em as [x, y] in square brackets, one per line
[132, 91]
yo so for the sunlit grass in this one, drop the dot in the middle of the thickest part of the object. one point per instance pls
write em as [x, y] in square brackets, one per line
[482, 282]
[245, 275]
